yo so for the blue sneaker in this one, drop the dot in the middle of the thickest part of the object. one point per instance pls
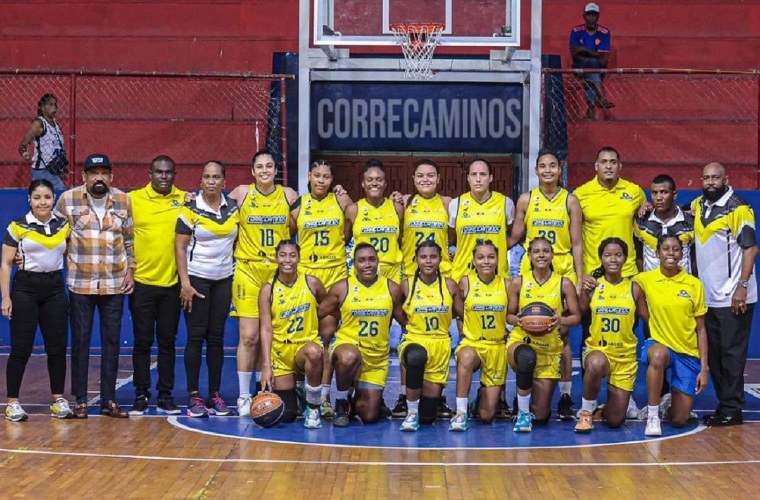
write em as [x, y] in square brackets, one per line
[312, 418]
[411, 423]
[459, 422]
[524, 422]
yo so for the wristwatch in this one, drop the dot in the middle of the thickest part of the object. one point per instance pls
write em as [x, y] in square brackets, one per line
[744, 283]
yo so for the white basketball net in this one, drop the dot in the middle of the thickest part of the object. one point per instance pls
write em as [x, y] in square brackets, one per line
[418, 42]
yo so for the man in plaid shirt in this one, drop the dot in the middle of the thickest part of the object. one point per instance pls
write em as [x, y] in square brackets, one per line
[100, 266]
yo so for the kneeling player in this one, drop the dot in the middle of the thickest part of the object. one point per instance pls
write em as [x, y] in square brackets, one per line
[614, 302]
[535, 358]
[366, 304]
[432, 302]
[290, 342]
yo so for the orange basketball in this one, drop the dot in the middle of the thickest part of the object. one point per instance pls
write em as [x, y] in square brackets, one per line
[536, 317]
[267, 409]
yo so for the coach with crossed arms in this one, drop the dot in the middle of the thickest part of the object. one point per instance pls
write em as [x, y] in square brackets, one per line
[724, 226]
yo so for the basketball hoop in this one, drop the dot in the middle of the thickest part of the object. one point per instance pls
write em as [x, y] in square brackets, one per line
[418, 42]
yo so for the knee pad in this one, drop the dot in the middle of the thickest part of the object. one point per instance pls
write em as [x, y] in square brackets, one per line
[525, 359]
[415, 358]
[291, 405]
[428, 409]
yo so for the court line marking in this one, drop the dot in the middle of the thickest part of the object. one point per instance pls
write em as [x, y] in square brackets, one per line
[370, 463]
[175, 423]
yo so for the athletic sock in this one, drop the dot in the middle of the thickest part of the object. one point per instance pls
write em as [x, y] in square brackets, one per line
[523, 403]
[244, 382]
[325, 391]
[341, 394]
[313, 394]
[588, 405]
[653, 410]
[413, 406]
[565, 387]
[462, 405]
[403, 390]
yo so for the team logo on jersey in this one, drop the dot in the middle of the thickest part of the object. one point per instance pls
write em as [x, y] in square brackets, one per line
[684, 294]
[176, 203]
[415, 201]
[414, 211]
[466, 204]
[625, 196]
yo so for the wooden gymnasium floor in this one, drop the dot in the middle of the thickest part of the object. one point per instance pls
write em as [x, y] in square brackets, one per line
[157, 457]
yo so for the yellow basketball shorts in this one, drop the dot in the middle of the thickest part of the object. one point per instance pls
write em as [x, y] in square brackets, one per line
[374, 369]
[246, 284]
[438, 352]
[622, 371]
[327, 275]
[563, 265]
[493, 360]
[547, 363]
[284, 356]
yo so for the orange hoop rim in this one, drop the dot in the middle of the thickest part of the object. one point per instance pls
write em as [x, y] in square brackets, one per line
[416, 28]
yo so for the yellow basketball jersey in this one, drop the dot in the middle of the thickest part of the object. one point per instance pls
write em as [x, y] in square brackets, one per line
[613, 315]
[485, 310]
[425, 219]
[549, 218]
[320, 226]
[380, 227]
[366, 314]
[476, 221]
[428, 309]
[264, 220]
[549, 293]
[294, 311]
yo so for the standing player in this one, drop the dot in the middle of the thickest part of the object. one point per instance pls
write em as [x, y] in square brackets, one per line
[677, 309]
[289, 334]
[484, 294]
[608, 203]
[377, 220]
[154, 305]
[365, 302]
[425, 219]
[264, 211]
[477, 215]
[552, 212]
[320, 225]
[613, 302]
[726, 249]
[665, 218]
[535, 358]
[432, 301]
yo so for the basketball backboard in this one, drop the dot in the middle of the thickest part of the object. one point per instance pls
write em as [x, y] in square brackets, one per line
[467, 23]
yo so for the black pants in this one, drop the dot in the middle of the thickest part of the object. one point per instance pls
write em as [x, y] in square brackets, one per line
[206, 323]
[110, 309]
[727, 342]
[155, 315]
[38, 299]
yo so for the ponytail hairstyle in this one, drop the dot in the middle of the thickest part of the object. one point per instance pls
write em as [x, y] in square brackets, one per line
[427, 244]
[536, 240]
[598, 273]
[315, 164]
[480, 242]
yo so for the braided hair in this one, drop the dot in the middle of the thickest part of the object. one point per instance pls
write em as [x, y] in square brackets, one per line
[427, 244]
[598, 273]
[283, 243]
[480, 242]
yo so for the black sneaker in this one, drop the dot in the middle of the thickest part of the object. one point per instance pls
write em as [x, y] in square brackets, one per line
[166, 405]
[443, 411]
[502, 410]
[140, 406]
[341, 413]
[400, 408]
[565, 408]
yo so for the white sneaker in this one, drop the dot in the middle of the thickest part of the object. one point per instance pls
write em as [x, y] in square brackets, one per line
[653, 426]
[61, 409]
[665, 402]
[15, 413]
[411, 423]
[643, 413]
[633, 411]
[244, 405]
[312, 419]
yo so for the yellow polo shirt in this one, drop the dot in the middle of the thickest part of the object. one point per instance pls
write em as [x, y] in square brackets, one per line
[154, 216]
[608, 213]
[674, 304]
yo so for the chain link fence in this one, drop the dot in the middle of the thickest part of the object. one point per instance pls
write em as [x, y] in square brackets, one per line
[135, 117]
[664, 119]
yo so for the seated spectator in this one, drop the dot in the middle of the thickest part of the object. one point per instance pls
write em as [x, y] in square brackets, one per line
[590, 47]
